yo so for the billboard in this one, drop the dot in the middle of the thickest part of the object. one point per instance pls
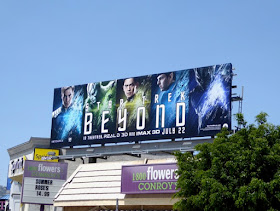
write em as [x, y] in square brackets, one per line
[42, 181]
[153, 178]
[178, 104]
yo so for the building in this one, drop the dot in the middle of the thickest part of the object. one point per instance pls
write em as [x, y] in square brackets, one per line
[76, 163]
[18, 154]
[100, 186]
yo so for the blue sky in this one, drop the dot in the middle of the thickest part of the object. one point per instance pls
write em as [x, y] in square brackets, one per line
[50, 44]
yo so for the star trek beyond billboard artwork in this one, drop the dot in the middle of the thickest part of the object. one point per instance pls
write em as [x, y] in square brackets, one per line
[180, 104]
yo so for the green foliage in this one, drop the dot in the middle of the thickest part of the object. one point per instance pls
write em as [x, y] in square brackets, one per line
[261, 118]
[235, 172]
[240, 119]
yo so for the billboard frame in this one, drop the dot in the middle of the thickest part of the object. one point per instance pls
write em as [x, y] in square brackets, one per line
[151, 134]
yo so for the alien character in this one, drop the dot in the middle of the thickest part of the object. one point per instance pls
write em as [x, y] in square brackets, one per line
[101, 97]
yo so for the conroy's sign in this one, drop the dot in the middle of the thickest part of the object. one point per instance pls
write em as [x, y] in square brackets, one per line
[156, 178]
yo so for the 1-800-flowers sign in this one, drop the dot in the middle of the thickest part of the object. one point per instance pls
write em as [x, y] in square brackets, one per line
[156, 178]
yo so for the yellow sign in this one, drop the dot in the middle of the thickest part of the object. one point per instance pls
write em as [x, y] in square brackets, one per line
[45, 154]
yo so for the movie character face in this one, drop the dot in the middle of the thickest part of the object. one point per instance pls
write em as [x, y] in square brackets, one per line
[129, 87]
[67, 96]
[164, 81]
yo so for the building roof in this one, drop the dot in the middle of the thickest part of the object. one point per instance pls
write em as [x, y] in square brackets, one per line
[99, 185]
[32, 143]
[5, 197]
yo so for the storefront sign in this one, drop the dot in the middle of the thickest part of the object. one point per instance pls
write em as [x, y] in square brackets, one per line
[16, 167]
[156, 178]
[17, 164]
[45, 154]
[2, 205]
[42, 181]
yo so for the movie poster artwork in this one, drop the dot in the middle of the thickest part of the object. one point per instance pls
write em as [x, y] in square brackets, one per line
[67, 115]
[210, 99]
[170, 104]
[100, 111]
[133, 104]
[178, 104]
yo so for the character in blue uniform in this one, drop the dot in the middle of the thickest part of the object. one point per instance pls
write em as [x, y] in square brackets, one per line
[67, 118]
